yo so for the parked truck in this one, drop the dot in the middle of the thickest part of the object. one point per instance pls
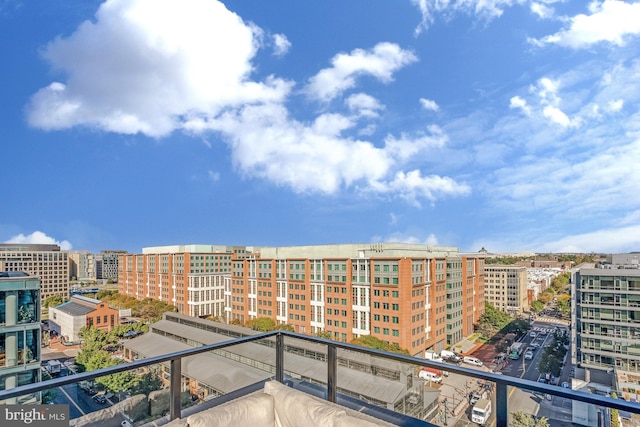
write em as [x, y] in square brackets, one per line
[516, 350]
[53, 367]
[481, 411]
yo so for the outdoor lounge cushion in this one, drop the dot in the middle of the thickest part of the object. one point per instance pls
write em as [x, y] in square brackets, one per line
[255, 410]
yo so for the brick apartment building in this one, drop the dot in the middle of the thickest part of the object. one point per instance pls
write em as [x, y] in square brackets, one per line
[417, 296]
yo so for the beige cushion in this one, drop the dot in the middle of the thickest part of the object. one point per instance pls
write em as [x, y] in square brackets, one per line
[255, 410]
[351, 421]
[297, 409]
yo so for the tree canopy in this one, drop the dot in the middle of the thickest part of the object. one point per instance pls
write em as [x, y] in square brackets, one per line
[521, 419]
[374, 342]
[148, 309]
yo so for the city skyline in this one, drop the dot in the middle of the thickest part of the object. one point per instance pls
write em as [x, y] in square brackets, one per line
[512, 127]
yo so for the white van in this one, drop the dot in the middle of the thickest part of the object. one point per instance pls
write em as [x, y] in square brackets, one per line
[430, 375]
[472, 361]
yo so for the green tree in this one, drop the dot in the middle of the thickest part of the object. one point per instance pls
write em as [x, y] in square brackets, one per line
[52, 301]
[537, 306]
[323, 334]
[373, 342]
[521, 419]
[262, 324]
[147, 382]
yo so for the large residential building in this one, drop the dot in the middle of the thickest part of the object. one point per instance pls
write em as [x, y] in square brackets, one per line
[606, 315]
[505, 287]
[46, 262]
[19, 332]
[416, 296]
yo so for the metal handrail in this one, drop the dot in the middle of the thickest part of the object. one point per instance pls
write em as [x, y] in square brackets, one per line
[502, 381]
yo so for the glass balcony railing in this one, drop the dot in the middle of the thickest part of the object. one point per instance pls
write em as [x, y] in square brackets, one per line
[390, 387]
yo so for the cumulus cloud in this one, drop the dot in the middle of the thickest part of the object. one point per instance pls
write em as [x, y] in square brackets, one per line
[429, 104]
[380, 62]
[141, 66]
[541, 9]
[364, 105]
[38, 237]
[611, 21]
[281, 44]
[154, 67]
[519, 103]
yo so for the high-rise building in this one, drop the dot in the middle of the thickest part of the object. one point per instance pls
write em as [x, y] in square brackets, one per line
[107, 264]
[46, 262]
[416, 296]
[505, 287]
[82, 265]
[606, 315]
[19, 332]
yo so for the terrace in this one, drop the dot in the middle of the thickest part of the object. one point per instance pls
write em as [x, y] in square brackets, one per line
[336, 386]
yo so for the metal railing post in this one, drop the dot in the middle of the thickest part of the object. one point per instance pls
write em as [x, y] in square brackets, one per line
[176, 382]
[332, 371]
[280, 357]
[502, 406]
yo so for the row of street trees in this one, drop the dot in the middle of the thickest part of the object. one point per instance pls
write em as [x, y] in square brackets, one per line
[553, 356]
[97, 352]
[558, 284]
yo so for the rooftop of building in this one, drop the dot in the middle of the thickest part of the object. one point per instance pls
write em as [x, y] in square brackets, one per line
[13, 274]
[78, 305]
[346, 250]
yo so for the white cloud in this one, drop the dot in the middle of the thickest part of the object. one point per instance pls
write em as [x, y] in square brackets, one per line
[406, 148]
[612, 240]
[281, 44]
[38, 237]
[615, 106]
[485, 9]
[213, 176]
[153, 67]
[517, 102]
[380, 62]
[556, 116]
[542, 10]
[429, 104]
[142, 66]
[364, 105]
[412, 186]
[611, 21]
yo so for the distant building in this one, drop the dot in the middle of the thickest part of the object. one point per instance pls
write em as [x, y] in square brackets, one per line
[419, 297]
[19, 333]
[505, 287]
[78, 312]
[107, 265]
[82, 265]
[46, 262]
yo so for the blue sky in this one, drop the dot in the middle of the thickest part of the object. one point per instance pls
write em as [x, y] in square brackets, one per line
[512, 125]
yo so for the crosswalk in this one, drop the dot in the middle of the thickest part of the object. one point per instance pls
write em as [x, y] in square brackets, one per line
[551, 320]
[541, 329]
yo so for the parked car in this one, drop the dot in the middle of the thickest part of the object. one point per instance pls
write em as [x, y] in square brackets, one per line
[472, 361]
[532, 334]
[100, 398]
[565, 384]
